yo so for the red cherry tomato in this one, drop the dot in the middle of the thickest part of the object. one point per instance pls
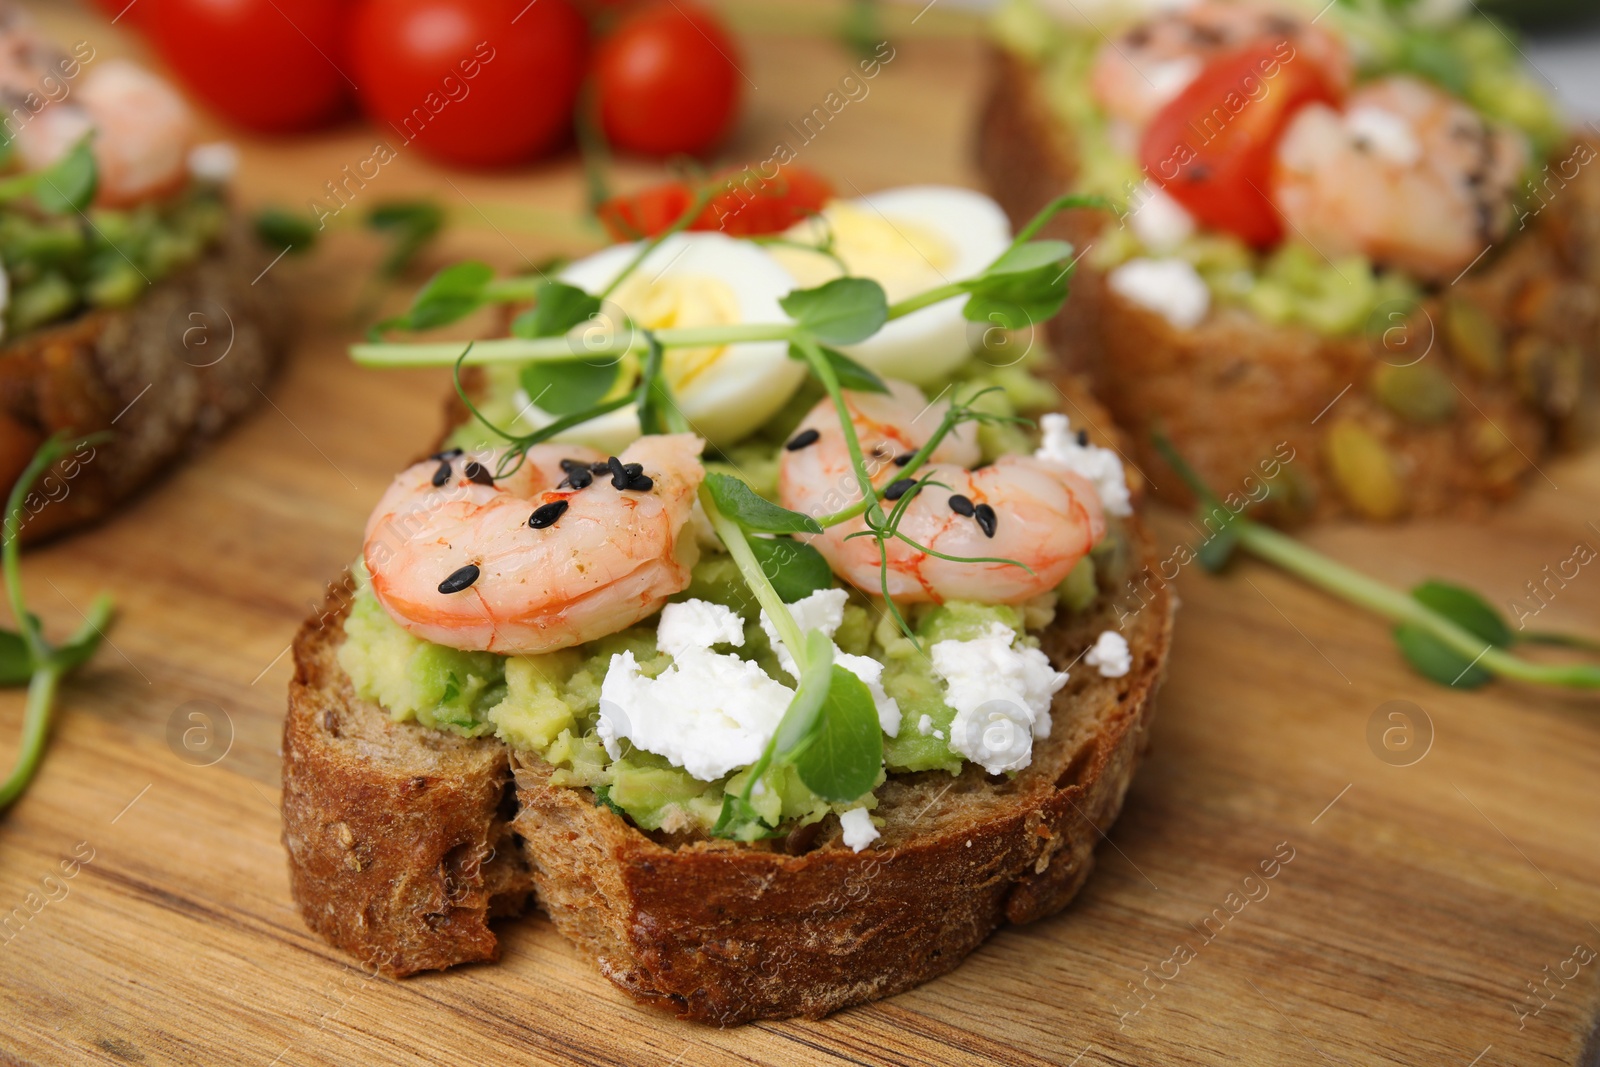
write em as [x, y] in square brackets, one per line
[668, 80]
[749, 205]
[484, 83]
[269, 65]
[1212, 146]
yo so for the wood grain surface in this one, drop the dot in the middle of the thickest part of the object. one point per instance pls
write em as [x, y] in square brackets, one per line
[1421, 905]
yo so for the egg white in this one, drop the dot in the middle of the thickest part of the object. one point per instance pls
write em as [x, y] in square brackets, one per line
[746, 385]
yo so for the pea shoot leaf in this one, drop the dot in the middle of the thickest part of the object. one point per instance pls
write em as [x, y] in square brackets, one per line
[1029, 257]
[1436, 661]
[450, 295]
[568, 386]
[16, 666]
[278, 227]
[796, 570]
[842, 312]
[841, 761]
[851, 374]
[558, 308]
[795, 729]
[68, 185]
[409, 225]
[1216, 553]
[739, 821]
[736, 500]
[1467, 610]
[1020, 299]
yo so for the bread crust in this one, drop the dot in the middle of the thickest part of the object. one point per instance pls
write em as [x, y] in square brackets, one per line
[1231, 391]
[399, 851]
[154, 374]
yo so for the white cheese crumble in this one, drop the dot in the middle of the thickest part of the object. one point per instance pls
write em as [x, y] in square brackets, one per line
[1388, 135]
[1161, 223]
[216, 162]
[1111, 655]
[925, 725]
[1171, 288]
[1100, 466]
[1001, 696]
[697, 624]
[858, 829]
[707, 713]
[824, 610]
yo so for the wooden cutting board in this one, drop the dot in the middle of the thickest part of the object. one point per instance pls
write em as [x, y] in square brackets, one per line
[1419, 906]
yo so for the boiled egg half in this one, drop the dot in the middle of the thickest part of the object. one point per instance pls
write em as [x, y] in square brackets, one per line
[908, 240]
[690, 280]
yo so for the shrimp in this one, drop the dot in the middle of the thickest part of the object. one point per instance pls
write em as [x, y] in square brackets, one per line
[548, 557]
[1017, 508]
[142, 132]
[1407, 175]
[1143, 69]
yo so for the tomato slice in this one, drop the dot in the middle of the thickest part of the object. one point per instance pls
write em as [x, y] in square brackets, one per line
[749, 205]
[1211, 147]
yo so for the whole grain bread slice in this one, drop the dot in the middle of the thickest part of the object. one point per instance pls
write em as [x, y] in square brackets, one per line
[398, 841]
[715, 931]
[1511, 351]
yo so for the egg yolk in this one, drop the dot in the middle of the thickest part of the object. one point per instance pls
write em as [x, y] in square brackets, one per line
[680, 301]
[904, 256]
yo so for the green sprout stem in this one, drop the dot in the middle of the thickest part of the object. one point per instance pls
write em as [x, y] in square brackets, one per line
[1356, 588]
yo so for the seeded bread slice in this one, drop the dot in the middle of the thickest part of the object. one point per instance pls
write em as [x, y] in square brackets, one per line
[725, 933]
[1510, 371]
[399, 847]
[165, 375]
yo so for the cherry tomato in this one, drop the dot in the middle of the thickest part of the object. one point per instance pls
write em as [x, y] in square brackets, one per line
[484, 83]
[668, 80]
[1212, 146]
[269, 65]
[749, 205]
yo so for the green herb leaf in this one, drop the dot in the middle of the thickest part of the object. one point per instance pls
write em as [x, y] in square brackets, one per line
[651, 394]
[16, 666]
[796, 570]
[798, 725]
[568, 387]
[851, 374]
[278, 228]
[841, 762]
[1467, 610]
[1016, 301]
[1030, 257]
[68, 185]
[739, 821]
[558, 308]
[450, 295]
[739, 502]
[842, 312]
[1216, 553]
[602, 799]
[1436, 661]
[410, 225]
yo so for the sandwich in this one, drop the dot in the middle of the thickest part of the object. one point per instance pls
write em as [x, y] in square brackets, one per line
[755, 619]
[1357, 234]
[130, 300]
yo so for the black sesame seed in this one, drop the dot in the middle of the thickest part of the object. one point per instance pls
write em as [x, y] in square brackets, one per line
[903, 458]
[477, 473]
[641, 483]
[804, 439]
[578, 478]
[961, 505]
[986, 519]
[570, 465]
[599, 466]
[633, 470]
[460, 579]
[619, 473]
[898, 489]
[1083, 438]
[449, 453]
[547, 514]
[441, 475]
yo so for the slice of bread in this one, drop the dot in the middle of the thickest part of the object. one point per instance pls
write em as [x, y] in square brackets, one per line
[165, 375]
[1511, 354]
[397, 850]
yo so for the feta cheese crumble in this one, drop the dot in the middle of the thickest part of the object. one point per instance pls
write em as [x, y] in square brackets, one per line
[1171, 288]
[1161, 223]
[925, 725]
[824, 610]
[697, 624]
[1111, 655]
[1001, 696]
[858, 829]
[1101, 466]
